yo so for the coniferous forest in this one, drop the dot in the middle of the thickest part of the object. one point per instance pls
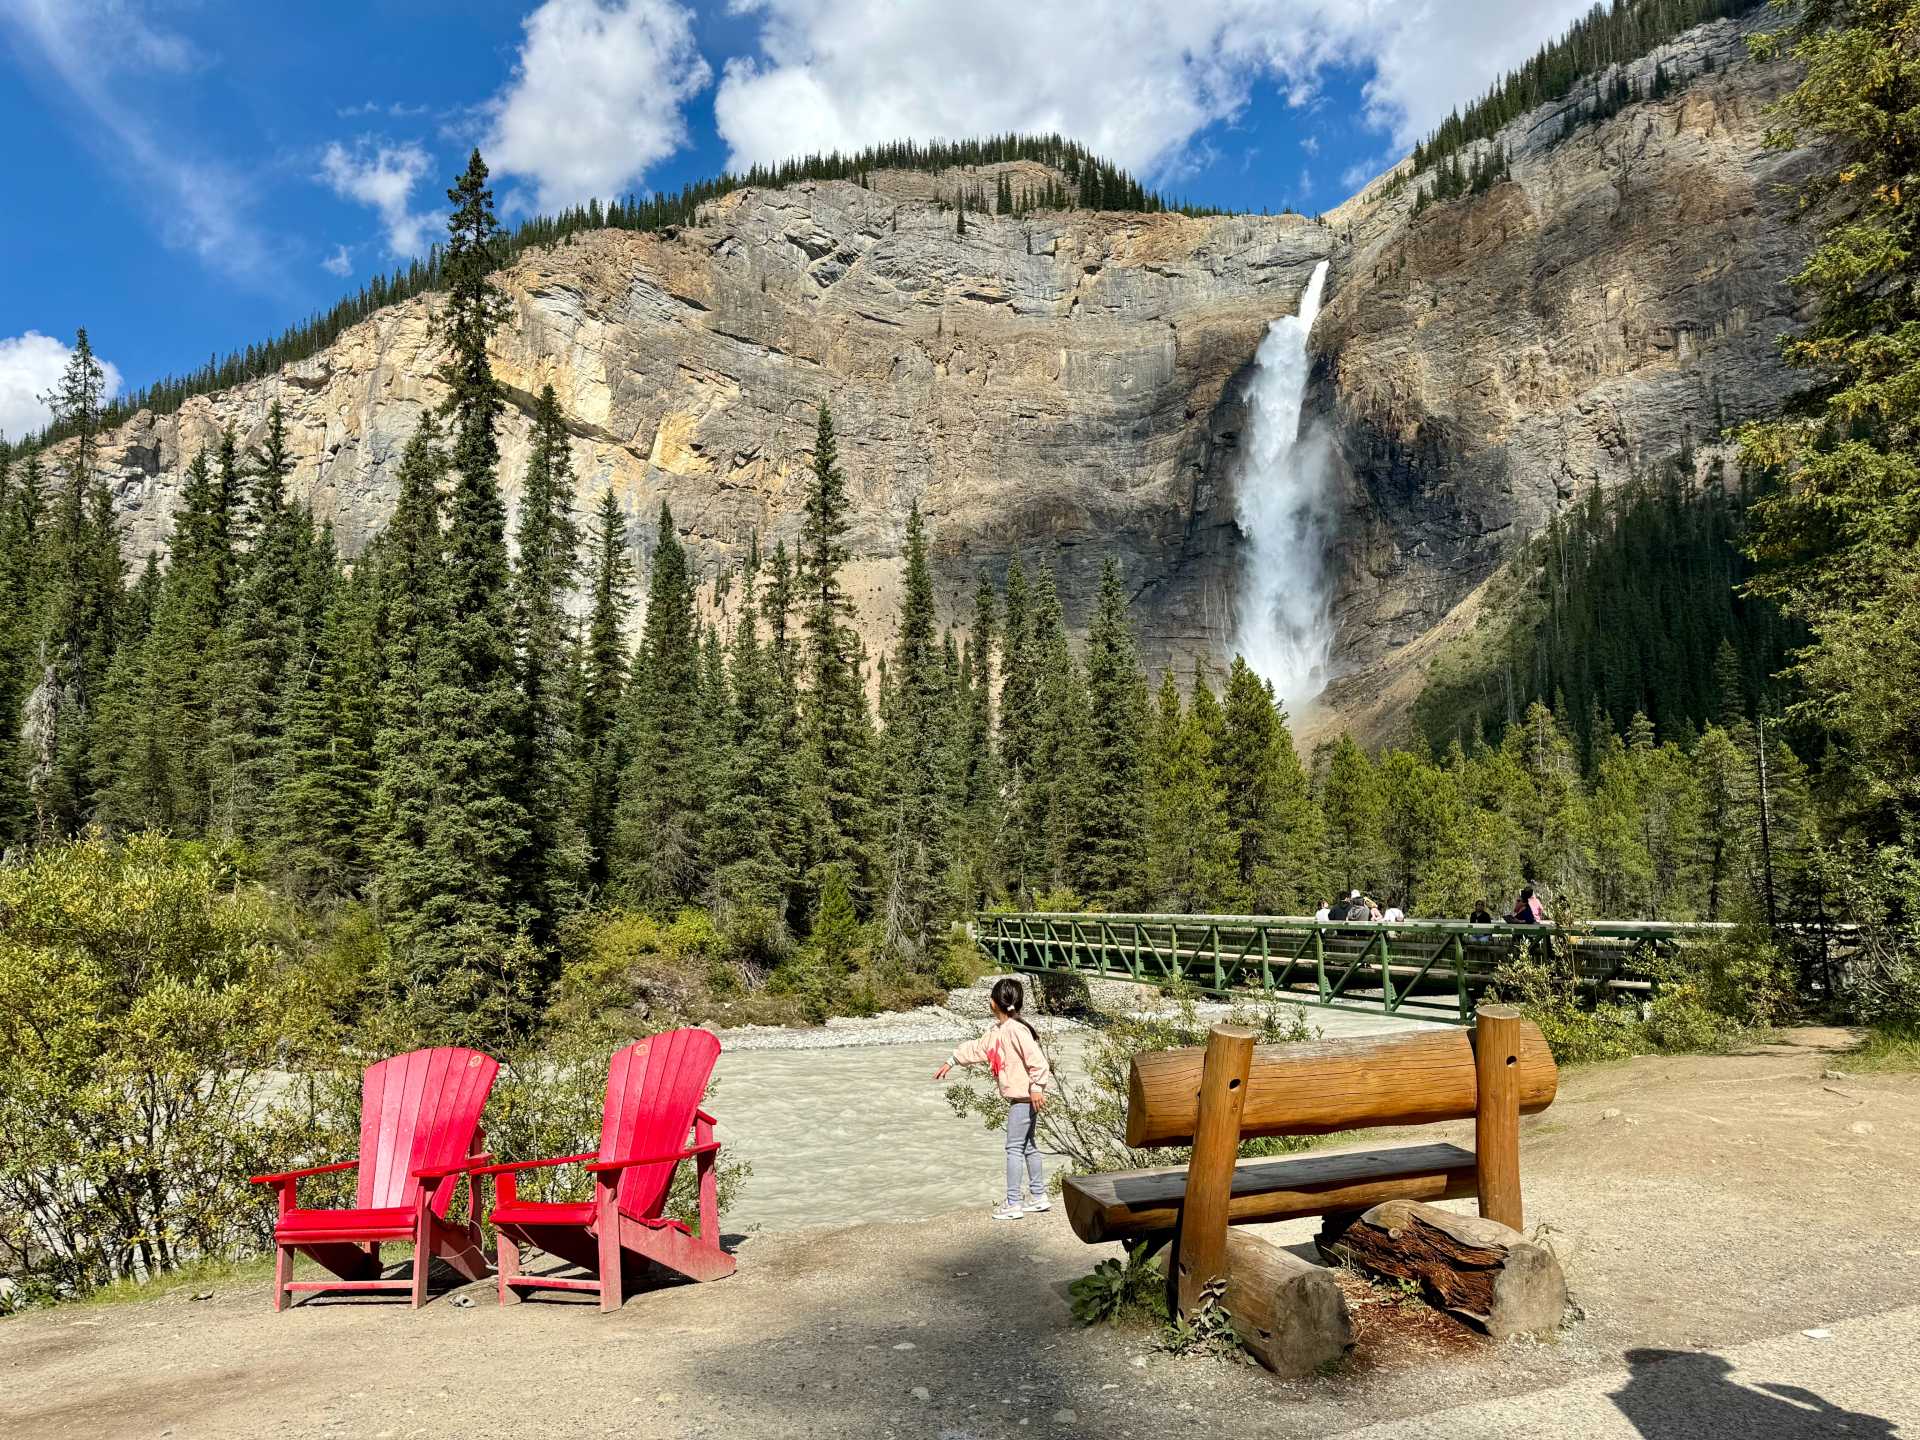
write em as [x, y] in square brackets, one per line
[451, 746]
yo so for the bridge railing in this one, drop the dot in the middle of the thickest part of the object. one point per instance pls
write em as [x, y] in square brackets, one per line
[1429, 969]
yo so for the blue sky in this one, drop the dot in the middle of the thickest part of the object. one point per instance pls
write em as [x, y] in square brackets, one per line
[187, 176]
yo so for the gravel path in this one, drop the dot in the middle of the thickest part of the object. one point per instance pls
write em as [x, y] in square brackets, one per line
[1715, 1207]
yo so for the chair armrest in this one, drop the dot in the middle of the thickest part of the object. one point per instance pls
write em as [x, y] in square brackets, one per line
[440, 1172]
[512, 1165]
[290, 1175]
[703, 1115]
[604, 1165]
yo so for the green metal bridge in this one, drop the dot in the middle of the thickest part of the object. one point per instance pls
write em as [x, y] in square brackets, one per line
[1422, 969]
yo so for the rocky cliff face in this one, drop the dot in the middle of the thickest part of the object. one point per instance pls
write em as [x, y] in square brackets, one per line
[1618, 302]
[1047, 386]
[1070, 386]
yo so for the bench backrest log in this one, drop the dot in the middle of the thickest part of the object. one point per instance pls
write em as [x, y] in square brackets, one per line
[1416, 1079]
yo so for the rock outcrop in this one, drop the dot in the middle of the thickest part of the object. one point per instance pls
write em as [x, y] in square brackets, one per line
[1069, 386]
[1616, 303]
[1047, 385]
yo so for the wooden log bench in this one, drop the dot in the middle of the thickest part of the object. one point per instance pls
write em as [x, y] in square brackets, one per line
[1215, 1096]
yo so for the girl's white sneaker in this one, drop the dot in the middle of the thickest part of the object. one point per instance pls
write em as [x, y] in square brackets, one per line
[1038, 1204]
[1008, 1212]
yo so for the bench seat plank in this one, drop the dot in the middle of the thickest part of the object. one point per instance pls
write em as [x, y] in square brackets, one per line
[1126, 1204]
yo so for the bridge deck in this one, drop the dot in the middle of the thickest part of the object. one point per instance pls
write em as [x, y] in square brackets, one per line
[1423, 969]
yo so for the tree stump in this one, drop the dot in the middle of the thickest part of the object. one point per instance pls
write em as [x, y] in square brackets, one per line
[1479, 1271]
[1288, 1312]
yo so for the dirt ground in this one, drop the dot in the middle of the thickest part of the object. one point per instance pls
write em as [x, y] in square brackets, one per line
[1699, 1204]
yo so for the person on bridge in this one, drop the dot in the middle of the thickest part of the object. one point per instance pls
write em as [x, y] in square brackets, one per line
[1528, 910]
[1011, 1050]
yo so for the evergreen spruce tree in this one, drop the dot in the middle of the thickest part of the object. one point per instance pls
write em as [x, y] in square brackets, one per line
[553, 869]
[465, 936]
[412, 602]
[325, 747]
[19, 606]
[1019, 707]
[260, 631]
[76, 640]
[982, 803]
[604, 680]
[784, 778]
[1275, 824]
[1355, 811]
[749, 824]
[918, 828]
[1110, 847]
[1189, 844]
[1054, 796]
[838, 732]
[658, 828]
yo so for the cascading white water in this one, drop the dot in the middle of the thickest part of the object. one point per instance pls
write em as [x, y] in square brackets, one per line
[1285, 628]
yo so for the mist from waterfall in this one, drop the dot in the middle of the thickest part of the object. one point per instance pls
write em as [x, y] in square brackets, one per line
[1285, 624]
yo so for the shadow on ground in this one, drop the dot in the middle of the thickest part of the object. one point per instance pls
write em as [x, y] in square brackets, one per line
[1690, 1395]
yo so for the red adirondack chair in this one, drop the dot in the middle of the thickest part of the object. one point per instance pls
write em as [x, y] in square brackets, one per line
[419, 1117]
[654, 1089]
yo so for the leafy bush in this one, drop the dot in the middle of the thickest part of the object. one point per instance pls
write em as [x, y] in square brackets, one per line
[626, 973]
[1705, 998]
[146, 1002]
[1120, 1292]
[1205, 1331]
[1062, 993]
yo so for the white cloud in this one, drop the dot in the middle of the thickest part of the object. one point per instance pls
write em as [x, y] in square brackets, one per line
[1135, 79]
[30, 365]
[383, 176]
[340, 262]
[1310, 144]
[196, 204]
[398, 109]
[595, 98]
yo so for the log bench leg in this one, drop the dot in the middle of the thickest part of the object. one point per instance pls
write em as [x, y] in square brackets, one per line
[1289, 1312]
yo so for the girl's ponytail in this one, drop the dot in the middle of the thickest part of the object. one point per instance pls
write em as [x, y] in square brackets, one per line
[1010, 995]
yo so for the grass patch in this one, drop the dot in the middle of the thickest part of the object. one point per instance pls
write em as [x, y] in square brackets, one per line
[1892, 1046]
[192, 1279]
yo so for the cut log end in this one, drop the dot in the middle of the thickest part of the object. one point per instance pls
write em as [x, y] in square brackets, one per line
[1289, 1313]
[1479, 1271]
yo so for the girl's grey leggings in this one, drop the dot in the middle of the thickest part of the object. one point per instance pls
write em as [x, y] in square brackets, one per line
[1023, 1156]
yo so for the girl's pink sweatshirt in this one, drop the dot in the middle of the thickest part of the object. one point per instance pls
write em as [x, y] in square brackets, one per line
[1018, 1063]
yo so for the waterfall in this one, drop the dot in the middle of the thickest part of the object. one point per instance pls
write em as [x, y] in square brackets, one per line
[1285, 627]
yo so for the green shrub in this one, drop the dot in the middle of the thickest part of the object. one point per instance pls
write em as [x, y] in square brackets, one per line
[626, 973]
[1206, 1331]
[1061, 993]
[146, 1000]
[961, 963]
[1120, 1292]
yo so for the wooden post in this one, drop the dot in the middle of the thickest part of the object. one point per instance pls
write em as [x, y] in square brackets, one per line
[1496, 1120]
[1216, 1144]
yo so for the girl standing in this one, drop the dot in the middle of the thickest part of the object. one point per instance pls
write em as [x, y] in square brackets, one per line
[1011, 1050]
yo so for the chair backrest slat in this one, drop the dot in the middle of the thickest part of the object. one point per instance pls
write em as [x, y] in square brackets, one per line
[416, 1110]
[653, 1088]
